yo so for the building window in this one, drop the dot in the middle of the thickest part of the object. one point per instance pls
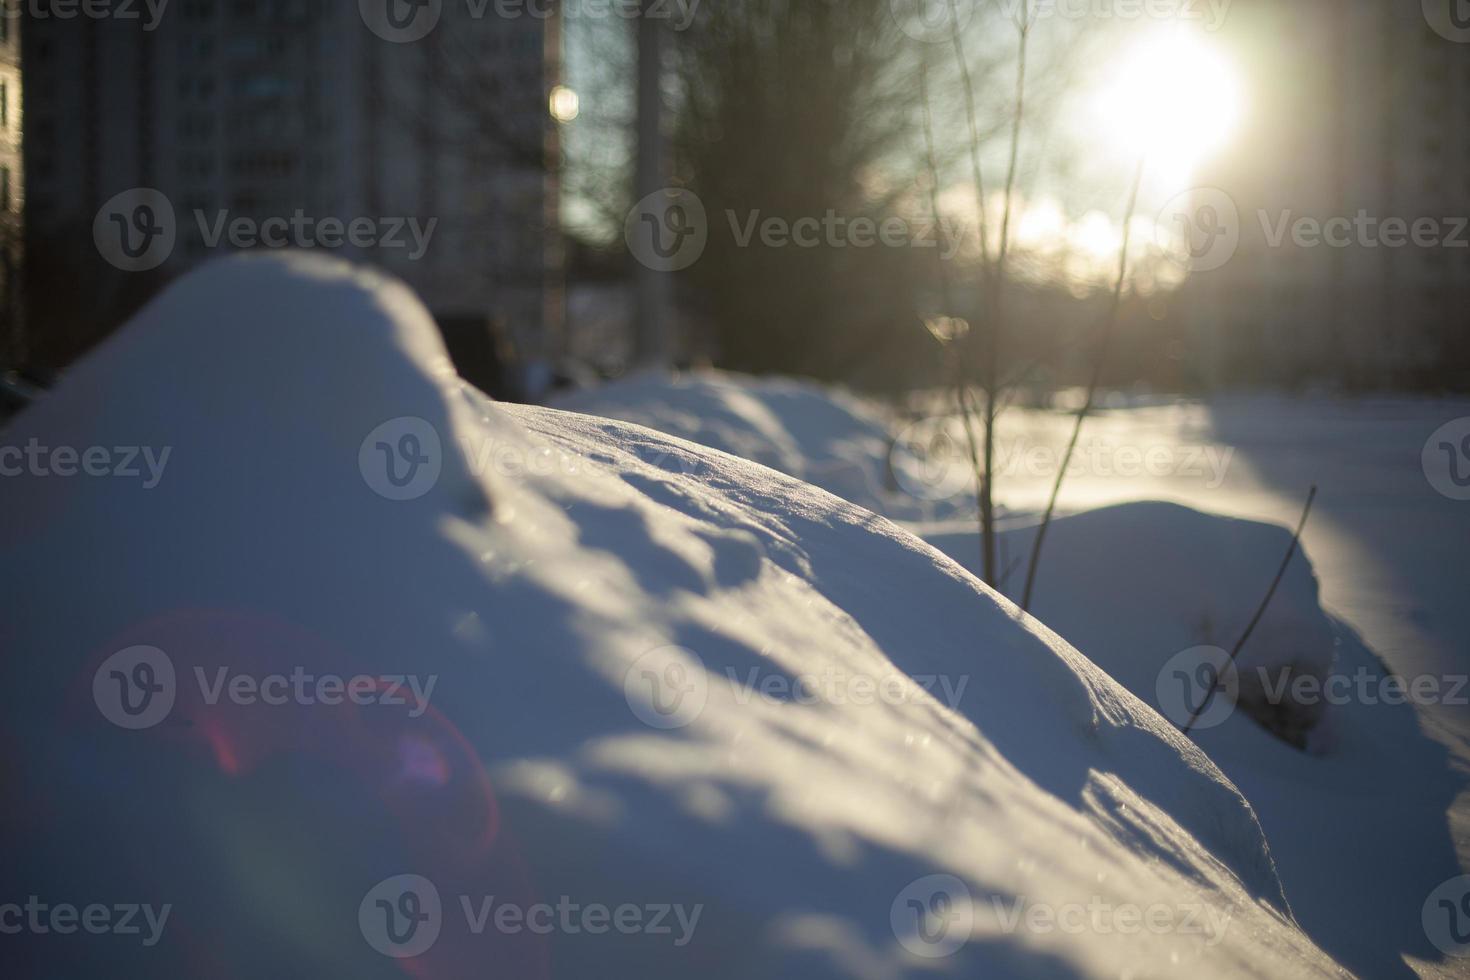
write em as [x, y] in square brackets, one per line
[4, 101]
[4, 188]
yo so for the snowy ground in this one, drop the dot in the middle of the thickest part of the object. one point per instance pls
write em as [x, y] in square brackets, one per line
[1376, 816]
[673, 712]
[820, 436]
[1391, 554]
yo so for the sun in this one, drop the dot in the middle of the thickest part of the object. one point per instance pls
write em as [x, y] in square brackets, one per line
[1174, 98]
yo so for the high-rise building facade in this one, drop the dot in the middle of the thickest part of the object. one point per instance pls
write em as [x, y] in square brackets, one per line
[421, 147]
[12, 195]
[1351, 185]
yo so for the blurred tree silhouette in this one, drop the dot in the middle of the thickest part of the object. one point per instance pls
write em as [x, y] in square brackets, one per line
[786, 110]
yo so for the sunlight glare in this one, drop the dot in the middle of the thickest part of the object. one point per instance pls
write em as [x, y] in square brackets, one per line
[1096, 235]
[1042, 224]
[1175, 98]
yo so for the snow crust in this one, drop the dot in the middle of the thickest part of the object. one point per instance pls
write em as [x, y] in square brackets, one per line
[1357, 816]
[819, 435]
[1363, 797]
[557, 562]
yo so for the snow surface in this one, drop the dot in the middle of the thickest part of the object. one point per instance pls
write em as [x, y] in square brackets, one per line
[1143, 581]
[1358, 823]
[1376, 815]
[554, 560]
[818, 435]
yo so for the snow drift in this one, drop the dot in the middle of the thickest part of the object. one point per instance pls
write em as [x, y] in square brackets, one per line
[1134, 584]
[818, 435]
[1139, 587]
[589, 666]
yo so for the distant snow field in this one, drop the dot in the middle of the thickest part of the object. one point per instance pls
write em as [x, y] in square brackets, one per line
[380, 677]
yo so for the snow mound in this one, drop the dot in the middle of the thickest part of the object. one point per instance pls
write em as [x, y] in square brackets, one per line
[1139, 586]
[818, 435]
[604, 668]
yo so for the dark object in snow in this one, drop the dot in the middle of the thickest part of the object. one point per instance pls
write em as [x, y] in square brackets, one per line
[1260, 610]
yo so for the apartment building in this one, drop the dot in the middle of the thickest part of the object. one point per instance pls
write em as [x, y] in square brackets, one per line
[313, 123]
[12, 196]
[1351, 178]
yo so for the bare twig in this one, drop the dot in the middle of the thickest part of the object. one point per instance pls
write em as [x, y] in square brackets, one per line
[996, 297]
[961, 387]
[992, 275]
[983, 483]
[967, 85]
[1024, 27]
[1260, 610]
[1097, 368]
[1007, 564]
